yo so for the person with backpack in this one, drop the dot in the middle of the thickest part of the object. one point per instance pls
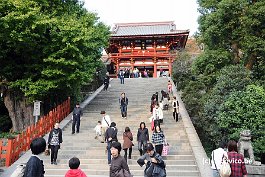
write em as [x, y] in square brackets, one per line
[111, 136]
[123, 101]
[54, 141]
[34, 166]
[155, 165]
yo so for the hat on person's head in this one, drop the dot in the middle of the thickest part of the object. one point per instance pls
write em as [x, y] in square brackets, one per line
[116, 145]
[113, 124]
[102, 112]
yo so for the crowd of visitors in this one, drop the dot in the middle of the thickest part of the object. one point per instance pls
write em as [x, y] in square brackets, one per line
[150, 151]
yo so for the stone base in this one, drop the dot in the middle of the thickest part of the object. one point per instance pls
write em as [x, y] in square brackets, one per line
[256, 171]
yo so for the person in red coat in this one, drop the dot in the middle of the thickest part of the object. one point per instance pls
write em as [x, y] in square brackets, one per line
[75, 171]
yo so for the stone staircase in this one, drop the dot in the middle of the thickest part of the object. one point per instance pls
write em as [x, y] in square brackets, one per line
[180, 161]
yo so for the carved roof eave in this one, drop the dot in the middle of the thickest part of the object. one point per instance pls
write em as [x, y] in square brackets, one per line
[151, 35]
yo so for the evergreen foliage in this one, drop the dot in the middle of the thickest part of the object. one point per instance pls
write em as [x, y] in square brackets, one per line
[49, 48]
[226, 94]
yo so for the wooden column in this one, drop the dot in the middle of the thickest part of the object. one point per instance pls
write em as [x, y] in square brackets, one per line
[132, 63]
[170, 66]
[117, 67]
[155, 68]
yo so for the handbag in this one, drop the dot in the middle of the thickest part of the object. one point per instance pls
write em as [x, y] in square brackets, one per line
[47, 152]
[225, 170]
[123, 173]
[19, 171]
[165, 150]
[152, 125]
[149, 169]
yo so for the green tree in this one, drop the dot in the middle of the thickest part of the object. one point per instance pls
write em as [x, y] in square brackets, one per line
[236, 26]
[47, 47]
[230, 79]
[182, 69]
[245, 110]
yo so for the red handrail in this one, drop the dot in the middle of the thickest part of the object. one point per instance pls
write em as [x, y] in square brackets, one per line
[14, 147]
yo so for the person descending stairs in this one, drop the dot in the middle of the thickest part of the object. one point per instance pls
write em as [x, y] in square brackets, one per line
[93, 161]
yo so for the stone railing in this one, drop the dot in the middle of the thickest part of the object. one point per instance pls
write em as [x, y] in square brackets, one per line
[202, 161]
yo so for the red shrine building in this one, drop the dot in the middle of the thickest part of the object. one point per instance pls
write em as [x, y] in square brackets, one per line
[150, 47]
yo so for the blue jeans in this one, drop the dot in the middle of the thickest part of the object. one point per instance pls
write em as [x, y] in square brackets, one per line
[109, 153]
[124, 111]
[141, 147]
[122, 80]
[215, 173]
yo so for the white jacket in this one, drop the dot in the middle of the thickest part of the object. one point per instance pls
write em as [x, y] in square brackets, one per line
[157, 113]
[105, 122]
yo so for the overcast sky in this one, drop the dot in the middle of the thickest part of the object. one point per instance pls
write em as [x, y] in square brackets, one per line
[182, 12]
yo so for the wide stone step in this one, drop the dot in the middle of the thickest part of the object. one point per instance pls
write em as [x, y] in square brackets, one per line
[103, 161]
[108, 176]
[80, 154]
[180, 161]
[139, 172]
[132, 167]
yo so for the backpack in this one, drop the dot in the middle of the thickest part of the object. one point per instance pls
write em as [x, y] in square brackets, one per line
[20, 170]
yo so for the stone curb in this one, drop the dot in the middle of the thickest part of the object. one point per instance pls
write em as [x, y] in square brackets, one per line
[201, 158]
[25, 157]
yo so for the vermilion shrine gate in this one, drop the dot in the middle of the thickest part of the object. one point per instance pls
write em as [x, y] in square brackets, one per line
[145, 46]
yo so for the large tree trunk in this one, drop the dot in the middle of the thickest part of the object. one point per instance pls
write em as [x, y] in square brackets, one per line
[20, 112]
[251, 61]
[235, 51]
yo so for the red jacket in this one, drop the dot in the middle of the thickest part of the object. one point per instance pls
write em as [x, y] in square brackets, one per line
[75, 173]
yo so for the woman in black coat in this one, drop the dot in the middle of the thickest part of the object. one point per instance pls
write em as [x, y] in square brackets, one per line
[54, 141]
[142, 137]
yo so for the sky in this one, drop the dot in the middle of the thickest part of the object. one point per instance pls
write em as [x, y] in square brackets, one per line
[182, 12]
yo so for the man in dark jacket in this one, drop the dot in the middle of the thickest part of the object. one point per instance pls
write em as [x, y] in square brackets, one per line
[155, 165]
[35, 167]
[106, 81]
[123, 101]
[54, 141]
[111, 136]
[77, 113]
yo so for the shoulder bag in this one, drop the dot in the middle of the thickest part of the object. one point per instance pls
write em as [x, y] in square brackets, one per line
[225, 170]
